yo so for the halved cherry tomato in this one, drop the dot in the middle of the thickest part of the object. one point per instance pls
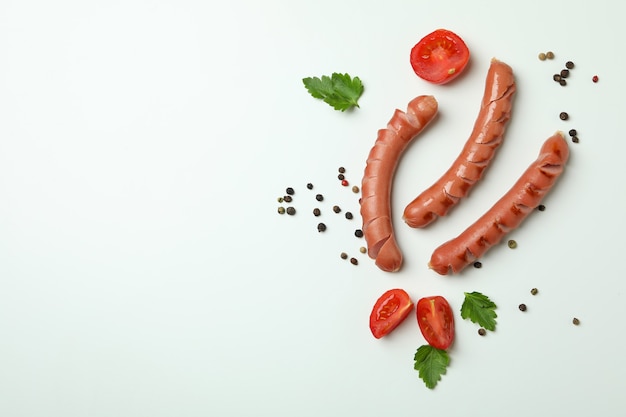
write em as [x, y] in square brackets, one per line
[436, 322]
[439, 57]
[389, 311]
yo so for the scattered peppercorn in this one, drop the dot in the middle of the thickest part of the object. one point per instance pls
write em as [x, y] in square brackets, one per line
[569, 65]
[321, 227]
[345, 183]
[542, 56]
[556, 77]
[595, 79]
[309, 186]
[349, 215]
[341, 176]
[287, 199]
[354, 261]
[291, 211]
[534, 291]
[290, 191]
[575, 321]
[363, 249]
[355, 189]
[512, 244]
[562, 82]
[482, 331]
[358, 233]
[344, 255]
[522, 307]
[319, 197]
[281, 199]
[563, 115]
[342, 170]
[337, 209]
[541, 207]
[478, 264]
[550, 55]
[572, 132]
[281, 210]
[575, 139]
[316, 212]
[564, 73]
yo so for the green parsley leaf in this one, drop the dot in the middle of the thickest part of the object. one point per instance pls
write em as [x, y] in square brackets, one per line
[479, 309]
[339, 90]
[431, 363]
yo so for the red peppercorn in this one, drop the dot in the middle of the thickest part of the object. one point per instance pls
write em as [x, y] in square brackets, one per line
[595, 79]
[344, 183]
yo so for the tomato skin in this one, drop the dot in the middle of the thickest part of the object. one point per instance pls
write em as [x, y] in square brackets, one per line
[435, 320]
[440, 57]
[389, 311]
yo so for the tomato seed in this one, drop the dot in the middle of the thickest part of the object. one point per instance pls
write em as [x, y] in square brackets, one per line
[550, 55]
[482, 331]
[534, 291]
[281, 210]
[575, 321]
[542, 56]
[355, 189]
[321, 227]
[358, 233]
[512, 244]
[337, 209]
[541, 207]
[344, 255]
[291, 211]
[349, 215]
[478, 264]
[569, 65]
[290, 191]
[309, 186]
[522, 307]
[316, 212]
[563, 115]
[354, 261]
[595, 79]
[319, 197]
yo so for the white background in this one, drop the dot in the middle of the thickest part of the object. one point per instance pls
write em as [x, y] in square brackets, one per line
[144, 270]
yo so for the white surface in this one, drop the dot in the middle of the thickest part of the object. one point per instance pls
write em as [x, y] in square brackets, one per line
[144, 270]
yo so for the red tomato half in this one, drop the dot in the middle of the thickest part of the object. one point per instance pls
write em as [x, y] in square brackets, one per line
[436, 322]
[439, 57]
[389, 311]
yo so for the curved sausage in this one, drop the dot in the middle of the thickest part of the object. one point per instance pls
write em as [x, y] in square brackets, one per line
[467, 169]
[377, 179]
[507, 213]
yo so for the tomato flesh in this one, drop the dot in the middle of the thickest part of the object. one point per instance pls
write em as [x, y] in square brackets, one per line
[389, 311]
[435, 320]
[439, 57]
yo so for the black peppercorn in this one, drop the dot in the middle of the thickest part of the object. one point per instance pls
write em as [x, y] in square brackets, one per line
[342, 170]
[316, 212]
[478, 264]
[562, 82]
[541, 207]
[319, 197]
[575, 139]
[290, 191]
[337, 209]
[321, 227]
[572, 132]
[569, 64]
[522, 307]
[344, 255]
[563, 115]
[564, 73]
[291, 211]
[482, 331]
[309, 186]
[358, 233]
[287, 199]
[556, 77]
[354, 261]
[341, 177]
[349, 215]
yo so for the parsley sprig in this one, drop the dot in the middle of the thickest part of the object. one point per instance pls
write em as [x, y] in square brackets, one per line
[479, 309]
[431, 363]
[339, 90]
